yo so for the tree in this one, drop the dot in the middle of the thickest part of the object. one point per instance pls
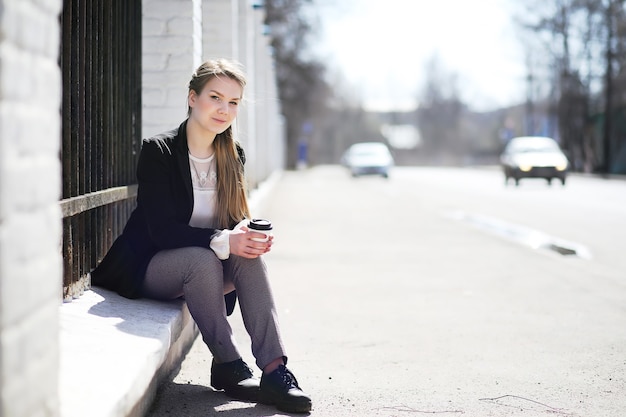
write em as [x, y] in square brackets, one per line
[300, 77]
[439, 113]
[586, 41]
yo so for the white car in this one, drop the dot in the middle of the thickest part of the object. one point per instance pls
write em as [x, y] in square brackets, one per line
[368, 158]
[534, 157]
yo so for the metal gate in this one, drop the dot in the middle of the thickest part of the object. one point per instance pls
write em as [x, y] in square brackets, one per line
[100, 62]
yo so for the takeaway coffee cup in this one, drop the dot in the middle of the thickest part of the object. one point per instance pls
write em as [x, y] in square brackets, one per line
[261, 226]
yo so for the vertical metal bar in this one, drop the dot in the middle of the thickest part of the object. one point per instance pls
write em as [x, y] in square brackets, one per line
[117, 102]
[107, 115]
[66, 74]
[73, 101]
[75, 242]
[90, 133]
[87, 88]
[110, 119]
[81, 140]
[75, 126]
[67, 255]
[80, 96]
[98, 121]
[137, 134]
[124, 105]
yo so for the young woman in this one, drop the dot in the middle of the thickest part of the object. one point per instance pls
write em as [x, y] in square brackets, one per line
[187, 238]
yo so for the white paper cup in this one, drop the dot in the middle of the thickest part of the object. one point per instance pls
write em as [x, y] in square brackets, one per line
[260, 226]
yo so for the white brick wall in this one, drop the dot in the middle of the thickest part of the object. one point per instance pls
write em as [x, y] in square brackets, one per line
[30, 218]
[169, 51]
[219, 29]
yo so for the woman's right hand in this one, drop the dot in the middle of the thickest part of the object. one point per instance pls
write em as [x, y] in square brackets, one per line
[241, 244]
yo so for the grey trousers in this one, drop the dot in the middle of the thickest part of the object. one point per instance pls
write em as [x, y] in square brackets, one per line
[202, 279]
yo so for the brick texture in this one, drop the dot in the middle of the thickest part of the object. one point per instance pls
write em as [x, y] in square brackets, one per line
[30, 218]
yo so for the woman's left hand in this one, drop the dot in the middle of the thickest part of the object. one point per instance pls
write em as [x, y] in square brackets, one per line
[241, 244]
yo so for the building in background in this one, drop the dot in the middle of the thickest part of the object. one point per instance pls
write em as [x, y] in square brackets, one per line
[43, 102]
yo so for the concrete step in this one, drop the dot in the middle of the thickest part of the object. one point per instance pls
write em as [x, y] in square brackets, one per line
[115, 352]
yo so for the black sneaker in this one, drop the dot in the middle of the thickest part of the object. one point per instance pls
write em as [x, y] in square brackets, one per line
[281, 388]
[236, 379]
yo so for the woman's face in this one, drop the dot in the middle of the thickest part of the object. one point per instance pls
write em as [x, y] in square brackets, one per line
[215, 108]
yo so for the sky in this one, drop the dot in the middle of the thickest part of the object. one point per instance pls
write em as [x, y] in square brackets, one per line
[381, 48]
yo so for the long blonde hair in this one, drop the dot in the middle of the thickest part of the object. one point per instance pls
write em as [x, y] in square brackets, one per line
[232, 201]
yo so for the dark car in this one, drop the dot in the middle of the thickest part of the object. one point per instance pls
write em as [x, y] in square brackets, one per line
[368, 158]
[534, 157]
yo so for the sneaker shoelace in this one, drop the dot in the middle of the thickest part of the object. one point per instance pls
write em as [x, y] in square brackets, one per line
[242, 370]
[288, 379]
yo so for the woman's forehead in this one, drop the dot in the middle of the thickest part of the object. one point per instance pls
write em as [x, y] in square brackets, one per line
[225, 86]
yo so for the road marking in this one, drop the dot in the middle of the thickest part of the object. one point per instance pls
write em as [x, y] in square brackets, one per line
[522, 234]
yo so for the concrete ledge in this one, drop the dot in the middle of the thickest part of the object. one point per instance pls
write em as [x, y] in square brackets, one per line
[116, 351]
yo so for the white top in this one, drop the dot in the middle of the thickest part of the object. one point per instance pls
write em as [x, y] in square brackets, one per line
[204, 182]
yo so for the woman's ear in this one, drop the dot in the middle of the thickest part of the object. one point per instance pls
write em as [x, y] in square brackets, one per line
[191, 98]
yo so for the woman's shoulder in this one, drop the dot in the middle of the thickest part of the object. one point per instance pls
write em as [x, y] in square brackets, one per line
[165, 141]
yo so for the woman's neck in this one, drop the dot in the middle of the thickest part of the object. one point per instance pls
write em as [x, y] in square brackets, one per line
[199, 142]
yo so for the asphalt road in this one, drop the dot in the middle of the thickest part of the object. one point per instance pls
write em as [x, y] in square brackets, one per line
[439, 292]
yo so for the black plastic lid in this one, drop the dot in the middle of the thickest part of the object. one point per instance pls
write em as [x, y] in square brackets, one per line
[260, 224]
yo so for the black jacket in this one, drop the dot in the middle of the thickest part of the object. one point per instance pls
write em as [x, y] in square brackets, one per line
[161, 218]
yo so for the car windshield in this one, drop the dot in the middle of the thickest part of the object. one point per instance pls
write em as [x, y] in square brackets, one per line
[536, 149]
[534, 146]
[364, 150]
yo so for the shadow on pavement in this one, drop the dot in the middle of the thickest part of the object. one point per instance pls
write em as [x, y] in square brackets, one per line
[190, 400]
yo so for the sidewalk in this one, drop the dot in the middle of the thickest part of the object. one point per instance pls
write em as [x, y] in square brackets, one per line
[115, 352]
[389, 307]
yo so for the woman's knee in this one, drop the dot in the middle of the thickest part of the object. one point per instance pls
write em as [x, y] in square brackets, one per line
[237, 266]
[202, 262]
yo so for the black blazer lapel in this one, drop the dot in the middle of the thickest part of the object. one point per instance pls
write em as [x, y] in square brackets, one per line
[182, 160]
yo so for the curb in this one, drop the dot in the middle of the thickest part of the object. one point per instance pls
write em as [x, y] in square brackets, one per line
[114, 352]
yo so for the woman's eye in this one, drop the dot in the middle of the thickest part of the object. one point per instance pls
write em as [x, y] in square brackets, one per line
[234, 103]
[216, 98]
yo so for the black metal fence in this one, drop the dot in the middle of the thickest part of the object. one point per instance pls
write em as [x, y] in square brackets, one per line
[100, 62]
